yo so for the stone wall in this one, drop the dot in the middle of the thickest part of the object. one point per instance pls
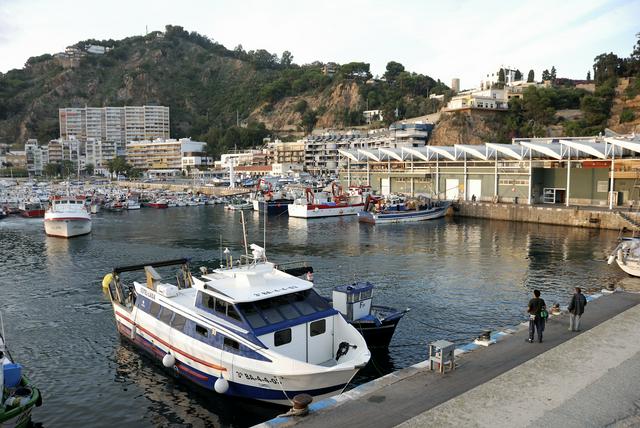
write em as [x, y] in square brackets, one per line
[572, 216]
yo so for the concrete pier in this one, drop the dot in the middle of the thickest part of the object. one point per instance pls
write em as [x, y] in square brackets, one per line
[589, 217]
[588, 378]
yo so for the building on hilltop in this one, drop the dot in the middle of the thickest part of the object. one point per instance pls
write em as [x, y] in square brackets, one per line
[490, 99]
[330, 69]
[118, 125]
[455, 85]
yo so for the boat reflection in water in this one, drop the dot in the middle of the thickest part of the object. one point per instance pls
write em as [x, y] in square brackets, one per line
[170, 402]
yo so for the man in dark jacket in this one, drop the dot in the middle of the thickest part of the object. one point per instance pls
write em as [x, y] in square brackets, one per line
[576, 309]
[536, 322]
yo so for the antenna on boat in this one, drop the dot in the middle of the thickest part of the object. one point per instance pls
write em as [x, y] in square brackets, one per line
[221, 265]
[264, 232]
[244, 234]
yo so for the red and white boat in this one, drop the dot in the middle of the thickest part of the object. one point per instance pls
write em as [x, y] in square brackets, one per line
[31, 209]
[330, 204]
[67, 217]
[160, 203]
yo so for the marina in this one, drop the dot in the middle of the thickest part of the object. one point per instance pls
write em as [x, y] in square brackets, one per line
[444, 270]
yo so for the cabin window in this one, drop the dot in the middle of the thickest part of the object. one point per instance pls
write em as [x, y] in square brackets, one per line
[284, 305]
[202, 331]
[282, 337]
[155, 309]
[165, 315]
[178, 322]
[233, 314]
[221, 306]
[252, 315]
[269, 311]
[208, 301]
[230, 343]
[317, 327]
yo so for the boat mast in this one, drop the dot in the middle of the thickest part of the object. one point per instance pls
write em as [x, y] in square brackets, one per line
[244, 234]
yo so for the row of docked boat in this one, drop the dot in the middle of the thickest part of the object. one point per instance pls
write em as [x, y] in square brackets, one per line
[334, 201]
[251, 328]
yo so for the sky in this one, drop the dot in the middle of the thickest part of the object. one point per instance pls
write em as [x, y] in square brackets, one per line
[443, 39]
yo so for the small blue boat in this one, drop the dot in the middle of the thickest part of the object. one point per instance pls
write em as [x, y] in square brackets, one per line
[376, 213]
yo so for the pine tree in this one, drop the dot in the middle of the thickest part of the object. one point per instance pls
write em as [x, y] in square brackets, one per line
[589, 76]
[531, 76]
[552, 75]
[546, 75]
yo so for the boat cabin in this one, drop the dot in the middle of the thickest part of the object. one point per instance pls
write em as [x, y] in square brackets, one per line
[353, 301]
[284, 313]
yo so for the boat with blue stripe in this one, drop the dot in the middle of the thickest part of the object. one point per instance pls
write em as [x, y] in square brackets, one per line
[375, 212]
[247, 329]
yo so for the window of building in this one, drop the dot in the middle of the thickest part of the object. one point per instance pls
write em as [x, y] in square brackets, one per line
[317, 327]
[282, 337]
[202, 331]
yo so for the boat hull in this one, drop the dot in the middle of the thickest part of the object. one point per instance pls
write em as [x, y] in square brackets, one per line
[377, 336]
[32, 213]
[20, 417]
[272, 207]
[244, 381]
[158, 205]
[408, 216]
[319, 211]
[67, 227]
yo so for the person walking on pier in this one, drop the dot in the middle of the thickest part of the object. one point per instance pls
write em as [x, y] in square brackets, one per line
[576, 309]
[536, 321]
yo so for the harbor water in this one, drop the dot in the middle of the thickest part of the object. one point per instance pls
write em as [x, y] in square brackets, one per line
[458, 276]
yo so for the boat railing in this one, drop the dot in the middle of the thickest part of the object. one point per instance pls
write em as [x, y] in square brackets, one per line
[295, 268]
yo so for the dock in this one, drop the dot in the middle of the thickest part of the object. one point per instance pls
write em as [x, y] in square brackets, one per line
[586, 378]
[576, 216]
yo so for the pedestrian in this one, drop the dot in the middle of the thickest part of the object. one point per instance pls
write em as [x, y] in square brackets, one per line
[576, 309]
[537, 308]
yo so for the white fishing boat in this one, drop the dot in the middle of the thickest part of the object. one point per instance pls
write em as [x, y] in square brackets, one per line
[627, 255]
[329, 204]
[247, 330]
[66, 217]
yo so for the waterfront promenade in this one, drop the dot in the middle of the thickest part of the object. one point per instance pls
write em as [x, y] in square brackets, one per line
[571, 379]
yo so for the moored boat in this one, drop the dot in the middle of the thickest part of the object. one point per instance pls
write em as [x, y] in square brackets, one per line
[18, 396]
[627, 255]
[376, 323]
[31, 209]
[66, 217]
[160, 203]
[329, 204]
[376, 213]
[247, 330]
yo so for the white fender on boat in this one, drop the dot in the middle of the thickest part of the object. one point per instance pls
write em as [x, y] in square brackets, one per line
[168, 360]
[221, 385]
[611, 258]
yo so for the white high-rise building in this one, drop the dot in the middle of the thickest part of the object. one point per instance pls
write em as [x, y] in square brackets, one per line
[118, 125]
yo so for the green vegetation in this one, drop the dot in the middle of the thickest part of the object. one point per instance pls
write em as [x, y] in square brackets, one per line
[206, 85]
[627, 115]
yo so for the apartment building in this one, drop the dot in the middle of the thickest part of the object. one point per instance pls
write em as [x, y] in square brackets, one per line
[36, 157]
[115, 124]
[163, 154]
[66, 149]
[98, 153]
[321, 151]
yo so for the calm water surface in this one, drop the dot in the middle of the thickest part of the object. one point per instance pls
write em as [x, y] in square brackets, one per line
[459, 277]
